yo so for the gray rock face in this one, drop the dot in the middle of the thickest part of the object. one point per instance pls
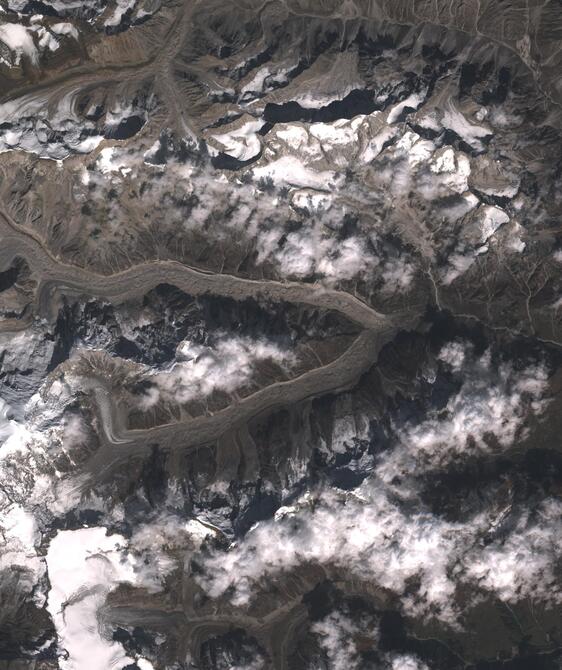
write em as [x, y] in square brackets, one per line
[280, 335]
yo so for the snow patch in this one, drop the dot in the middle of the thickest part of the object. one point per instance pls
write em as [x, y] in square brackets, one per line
[83, 566]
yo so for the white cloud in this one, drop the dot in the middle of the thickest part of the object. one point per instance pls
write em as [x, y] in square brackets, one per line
[370, 535]
[458, 263]
[397, 273]
[161, 545]
[14, 435]
[111, 159]
[256, 664]
[315, 250]
[74, 433]
[337, 635]
[363, 533]
[492, 400]
[523, 564]
[19, 40]
[300, 252]
[407, 662]
[349, 258]
[200, 370]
